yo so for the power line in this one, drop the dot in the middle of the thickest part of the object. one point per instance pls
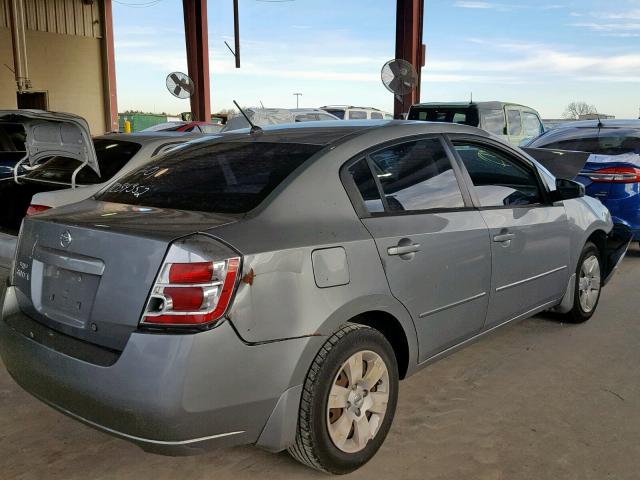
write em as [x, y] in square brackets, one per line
[148, 4]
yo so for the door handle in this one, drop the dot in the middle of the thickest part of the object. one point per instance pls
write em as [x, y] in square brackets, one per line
[504, 237]
[404, 249]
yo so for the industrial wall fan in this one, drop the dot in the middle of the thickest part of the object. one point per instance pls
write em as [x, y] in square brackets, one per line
[399, 77]
[180, 85]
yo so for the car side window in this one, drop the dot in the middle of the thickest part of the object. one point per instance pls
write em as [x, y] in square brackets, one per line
[376, 116]
[514, 122]
[532, 125]
[493, 121]
[416, 176]
[357, 115]
[499, 179]
[363, 179]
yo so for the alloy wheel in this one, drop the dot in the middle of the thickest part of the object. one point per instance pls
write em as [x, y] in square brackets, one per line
[589, 283]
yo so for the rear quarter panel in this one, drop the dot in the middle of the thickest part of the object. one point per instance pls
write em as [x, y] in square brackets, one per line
[585, 216]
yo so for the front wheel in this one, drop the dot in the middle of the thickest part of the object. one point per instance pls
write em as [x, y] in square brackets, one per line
[348, 401]
[588, 285]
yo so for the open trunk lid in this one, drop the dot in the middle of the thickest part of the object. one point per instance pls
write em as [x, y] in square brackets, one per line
[87, 270]
[50, 134]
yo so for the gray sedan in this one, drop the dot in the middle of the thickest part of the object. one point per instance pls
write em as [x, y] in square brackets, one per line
[272, 288]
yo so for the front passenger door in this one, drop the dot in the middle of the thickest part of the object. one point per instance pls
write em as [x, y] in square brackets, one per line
[529, 241]
[433, 244]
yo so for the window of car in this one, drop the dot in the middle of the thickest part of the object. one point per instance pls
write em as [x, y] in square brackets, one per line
[306, 117]
[493, 121]
[416, 176]
[366, 184]
[499, 180]
[324, 117]
[357, 115]
[514, 122]
[531, 124]
[112, 156]
[461, 115]
[338, 112]
[598, 141]
[228, 177]
[376, 116]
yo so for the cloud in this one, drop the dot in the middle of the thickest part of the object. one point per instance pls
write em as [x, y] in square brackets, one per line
[606, 27]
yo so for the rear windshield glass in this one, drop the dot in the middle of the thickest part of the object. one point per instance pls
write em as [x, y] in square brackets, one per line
[601, 142]
[112, 156]
[231, 177]
[338, 113]
[462, 115]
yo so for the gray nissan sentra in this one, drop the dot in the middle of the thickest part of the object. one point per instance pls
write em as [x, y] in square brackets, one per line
[272, 288]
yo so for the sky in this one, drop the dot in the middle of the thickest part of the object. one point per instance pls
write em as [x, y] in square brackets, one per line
[541, 53]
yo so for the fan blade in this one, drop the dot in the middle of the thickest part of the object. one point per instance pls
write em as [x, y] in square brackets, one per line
[177, 90]
[175, 78]
[395, 85]
[394, 66]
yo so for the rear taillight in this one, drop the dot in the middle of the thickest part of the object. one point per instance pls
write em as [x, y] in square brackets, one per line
[614, 175]
[194, 293]
[33, 209]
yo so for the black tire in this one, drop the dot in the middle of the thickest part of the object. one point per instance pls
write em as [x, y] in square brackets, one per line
[577, 314]
[313, 444]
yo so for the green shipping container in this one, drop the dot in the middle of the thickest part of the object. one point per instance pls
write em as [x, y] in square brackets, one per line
[140, 121]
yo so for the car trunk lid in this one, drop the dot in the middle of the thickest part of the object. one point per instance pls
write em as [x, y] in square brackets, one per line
[88, 270]
[50, 134]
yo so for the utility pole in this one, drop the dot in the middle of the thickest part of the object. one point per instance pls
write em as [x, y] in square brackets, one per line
[298, 95]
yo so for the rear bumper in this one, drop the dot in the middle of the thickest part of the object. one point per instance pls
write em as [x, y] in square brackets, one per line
[171, 394]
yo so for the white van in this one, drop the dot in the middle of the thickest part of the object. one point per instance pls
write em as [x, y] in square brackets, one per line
[349, 112]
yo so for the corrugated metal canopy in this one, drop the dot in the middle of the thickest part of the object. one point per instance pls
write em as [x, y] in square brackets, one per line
[66, 17]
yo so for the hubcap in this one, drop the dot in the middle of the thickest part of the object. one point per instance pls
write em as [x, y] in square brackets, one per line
[589, 283]
[358, 401]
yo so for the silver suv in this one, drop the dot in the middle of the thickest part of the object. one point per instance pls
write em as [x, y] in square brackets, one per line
[272, 288]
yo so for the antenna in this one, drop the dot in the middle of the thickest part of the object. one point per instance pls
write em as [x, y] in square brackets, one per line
[600, 124]
[254, 128]
[298, 95]
[471, 99]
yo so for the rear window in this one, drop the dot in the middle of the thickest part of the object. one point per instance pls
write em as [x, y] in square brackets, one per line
[337, 112]
[230, 177]
[461, 115]
[112, 156]
[12, 137]
[598, 141]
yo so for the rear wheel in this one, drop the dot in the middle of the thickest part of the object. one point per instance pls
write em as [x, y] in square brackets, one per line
[348, 401]
[588, 285]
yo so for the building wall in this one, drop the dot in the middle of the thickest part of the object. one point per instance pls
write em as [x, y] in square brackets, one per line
[68, 66]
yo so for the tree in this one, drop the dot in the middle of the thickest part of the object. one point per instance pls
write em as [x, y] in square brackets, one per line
[575, 109]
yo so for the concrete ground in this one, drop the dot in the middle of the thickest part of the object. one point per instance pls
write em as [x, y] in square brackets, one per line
[536, 400]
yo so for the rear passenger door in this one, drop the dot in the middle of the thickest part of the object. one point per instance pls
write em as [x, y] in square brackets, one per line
[433, 244]
[529, 241]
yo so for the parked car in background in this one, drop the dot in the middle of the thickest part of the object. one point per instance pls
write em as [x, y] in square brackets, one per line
[50, 185]
[149, 310]
[312, 115]
[275, 116]
[612, 172]
[190, 127]
[514, 123]
[349, 112]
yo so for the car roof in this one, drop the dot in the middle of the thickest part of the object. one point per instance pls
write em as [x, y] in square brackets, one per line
[333, 131]
[148, 138]
[492, 105]
[604, 123]
[350, 106]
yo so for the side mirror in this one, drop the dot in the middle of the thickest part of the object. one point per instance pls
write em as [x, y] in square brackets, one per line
[566, 190]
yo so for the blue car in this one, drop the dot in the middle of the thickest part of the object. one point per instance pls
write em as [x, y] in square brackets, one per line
[12, 149]
[612, 171]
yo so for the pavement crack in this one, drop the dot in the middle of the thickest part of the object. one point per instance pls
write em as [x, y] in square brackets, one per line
[613, 393]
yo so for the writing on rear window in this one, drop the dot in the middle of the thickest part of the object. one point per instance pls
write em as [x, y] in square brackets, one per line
[134, 189]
